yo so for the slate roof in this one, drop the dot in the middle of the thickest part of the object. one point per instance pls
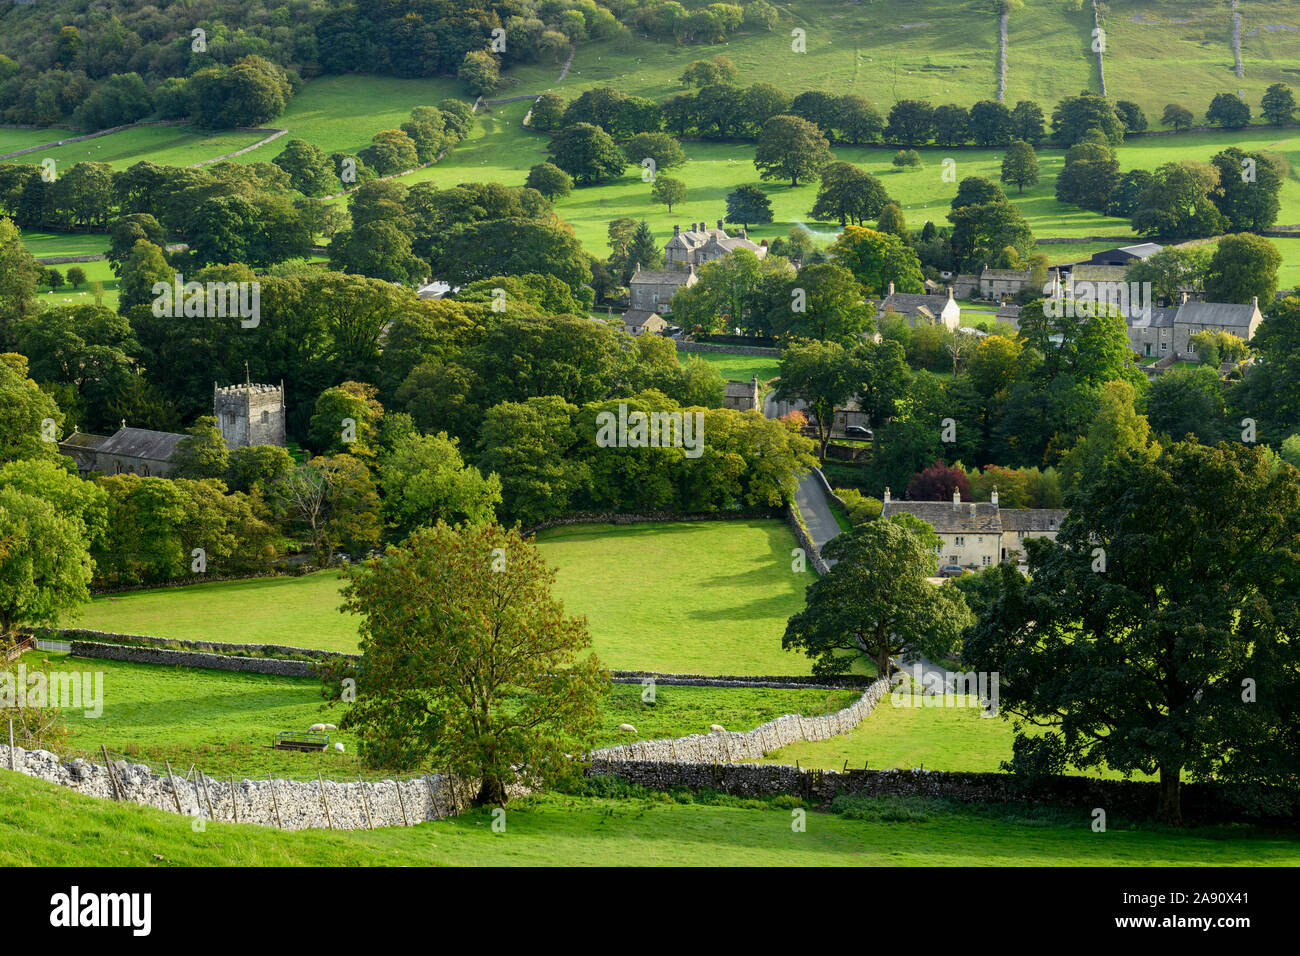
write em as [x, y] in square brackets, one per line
[636, 318]
[944, 518]
[1032, 519]
[142, 443]
[1020, 274]
[1160, 318]
[661, 277]
[909, 303]
[83, 441]
[1216, 313]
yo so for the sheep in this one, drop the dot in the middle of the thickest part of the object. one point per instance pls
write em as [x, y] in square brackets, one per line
[627, 729]
[717, 729]
[339, 747]
[316, 729]
[331, 727]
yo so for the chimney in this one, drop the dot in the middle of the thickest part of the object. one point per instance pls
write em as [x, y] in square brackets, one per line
[677, 230]
[891, 288]
[1184, 295]
[956, 499]
[886, 494]
[949, 293]
[1254, 302]
[972, 509]
[995, 496]
[719, 225]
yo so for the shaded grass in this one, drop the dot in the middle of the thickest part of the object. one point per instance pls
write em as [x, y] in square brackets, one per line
[41, 824]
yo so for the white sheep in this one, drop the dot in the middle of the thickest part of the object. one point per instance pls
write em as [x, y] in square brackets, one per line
[330, 727]
[717, 729]
[316, 729]
[339, 747]
[627, 729]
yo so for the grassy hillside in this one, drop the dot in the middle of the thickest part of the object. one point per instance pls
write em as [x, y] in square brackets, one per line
[45, 825]
[223, 721]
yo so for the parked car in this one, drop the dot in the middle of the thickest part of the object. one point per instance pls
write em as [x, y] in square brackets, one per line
[951, 571]
[857, 431]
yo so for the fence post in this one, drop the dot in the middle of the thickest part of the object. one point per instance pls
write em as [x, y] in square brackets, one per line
[365, 806]
[172, 780]
[274, 801]
[234, 807]
[325, 803]
[207, 797]
[108, 766]
[11, 743]
[401, 803]
[433, 797]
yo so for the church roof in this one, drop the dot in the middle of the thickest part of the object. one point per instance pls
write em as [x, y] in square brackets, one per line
[142, 443]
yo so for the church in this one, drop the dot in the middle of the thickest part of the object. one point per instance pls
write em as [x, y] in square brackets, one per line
[248, 414]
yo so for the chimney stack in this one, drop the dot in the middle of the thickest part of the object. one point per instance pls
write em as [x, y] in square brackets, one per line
[1254, 302]
[1184, 295]
[886, 494]
[995, 496]
[891, 288]
[949, 293]
[719, 225]
[677, 230]
[956, 499]
[972, 509]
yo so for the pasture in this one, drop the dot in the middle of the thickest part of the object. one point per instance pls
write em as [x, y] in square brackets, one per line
[223, 720]
[738, 368]
[706, 597]
[45, 825]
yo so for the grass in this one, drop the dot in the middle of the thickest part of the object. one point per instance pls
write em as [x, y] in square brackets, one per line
[165, 145]
[700, 597]
[935, 738]
[739, 368]
[223, 720]
[45, 825]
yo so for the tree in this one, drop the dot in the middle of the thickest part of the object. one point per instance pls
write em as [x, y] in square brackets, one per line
[24, 430]
[952, 125]
[547, 113]
[848, 194]
[76, 277]
[203, 453]
[1076, 116]
[1090, 176]
[719, 69]
[587, 153]
[1179, 117]
[1132, 636]
[938, 482]
[819, 374]
[793, 147]
[424, 481]
[1278, 104]
[1020, 166]
[1228, 111]
[19, 276]
[549, 180]
[1028, 123]
[484, 676]
[1249, 189]
[1243, 267]
[823, 301]
[667, 190]
[526, 444]
[480, 72]
[641, 249]
[664, 151]
[1188, 401]
[45, 567]
[984, 232]
[1171, 270]
[906, 158]
[346, 418]
[334, 502]
[876, 601]
[876, 259]
[1126, 196]
[1116, 430]
[892, 222]
[1131, 115]
[310, 171]
[1178, 204]
[1271, 390]
[976, 190]
[910, 123]
[53, 279]
[257, 468]
[748, 204]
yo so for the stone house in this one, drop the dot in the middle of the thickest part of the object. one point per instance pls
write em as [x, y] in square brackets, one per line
[697, 245]
[743, 396]
[651, 290]
[921, 309]
[978, 534]
[1166, 332]
[641, 322]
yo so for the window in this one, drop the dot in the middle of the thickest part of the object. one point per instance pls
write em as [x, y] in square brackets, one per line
[960, 541]
[1191, 347]
[985, 560]
[1164, 346]
[266, 417]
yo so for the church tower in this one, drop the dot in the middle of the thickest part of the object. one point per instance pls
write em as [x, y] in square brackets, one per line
[249, 414]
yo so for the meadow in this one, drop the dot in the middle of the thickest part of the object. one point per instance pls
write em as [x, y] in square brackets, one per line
[223, 721]
[165, 145]
[45, 825]
[706, 597]
[738, 368]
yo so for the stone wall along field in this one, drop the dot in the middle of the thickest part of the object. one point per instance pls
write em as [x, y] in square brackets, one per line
[747, 745]
[296, 804]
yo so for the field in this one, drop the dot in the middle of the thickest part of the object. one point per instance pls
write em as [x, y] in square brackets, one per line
[932, 738]
[45, 825]
[165, 145]
[223, 720]
[700, 597]
[738, 368]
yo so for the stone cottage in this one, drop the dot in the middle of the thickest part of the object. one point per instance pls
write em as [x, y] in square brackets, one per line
[978, 534]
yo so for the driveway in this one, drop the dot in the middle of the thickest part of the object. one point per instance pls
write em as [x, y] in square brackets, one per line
[815, 508]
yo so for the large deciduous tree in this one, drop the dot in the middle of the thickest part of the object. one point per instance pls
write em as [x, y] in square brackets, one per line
[469, 663]
[789, 146]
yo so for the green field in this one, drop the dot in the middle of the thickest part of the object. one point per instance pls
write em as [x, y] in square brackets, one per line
[738, 368]
[45, 825]
[907, 738]
[165, 145]
[706, 597]
[223, 720]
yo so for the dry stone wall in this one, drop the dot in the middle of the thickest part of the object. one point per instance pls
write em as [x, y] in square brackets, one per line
[288, 804]
[747, 745]
[220, 662]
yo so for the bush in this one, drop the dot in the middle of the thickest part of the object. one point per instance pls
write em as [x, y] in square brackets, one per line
[907, 157]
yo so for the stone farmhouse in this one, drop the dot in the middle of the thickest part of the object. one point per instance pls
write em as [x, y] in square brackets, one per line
[1165, 333]
[978, 534]
[743, 396]
[699, 244]
[651, 290]
[247, 414]
[921, 309]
